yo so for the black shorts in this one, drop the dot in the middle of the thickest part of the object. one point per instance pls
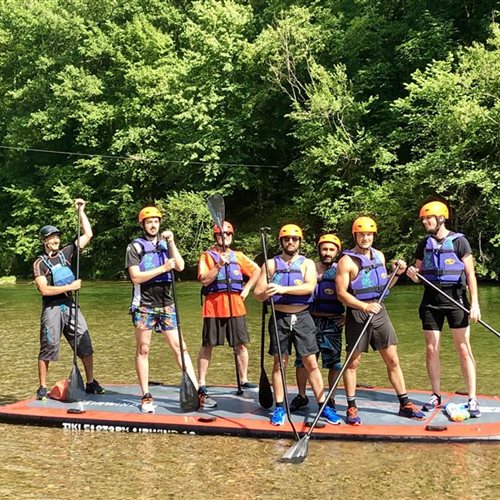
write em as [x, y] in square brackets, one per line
[297, 329]
[433, 317]
[380, 333]
[215, 330]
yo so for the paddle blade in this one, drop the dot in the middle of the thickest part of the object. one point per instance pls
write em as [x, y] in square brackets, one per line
[76, 389]
[265, 392]
[188, 396]
[297, 453]
[216, 208]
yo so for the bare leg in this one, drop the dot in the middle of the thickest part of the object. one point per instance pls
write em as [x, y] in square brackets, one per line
[88, 365]
[279, 394]
[391, 360]
[461, 339]
[242, 357]
[301, 376]
[172, 339]
[332, 377]
[204, 357]
[432, 345]
[350, 375]
[315, 378]
[143, 342]
[43, 369]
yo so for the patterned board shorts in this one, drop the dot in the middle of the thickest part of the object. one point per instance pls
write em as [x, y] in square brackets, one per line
[159, 319]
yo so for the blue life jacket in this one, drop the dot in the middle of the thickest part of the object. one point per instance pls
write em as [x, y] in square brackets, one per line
[441, 264]
[154, 256]
[289, 274]
[219, 284]
[325, 295]
[61, 272]
[371, 279]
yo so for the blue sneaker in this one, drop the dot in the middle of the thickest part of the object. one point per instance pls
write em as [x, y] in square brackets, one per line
[330, 415]
[278, 416]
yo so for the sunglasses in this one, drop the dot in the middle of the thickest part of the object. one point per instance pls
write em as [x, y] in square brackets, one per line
[291, 238]
[225, 233]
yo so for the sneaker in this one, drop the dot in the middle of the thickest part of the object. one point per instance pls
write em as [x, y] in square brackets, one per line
[298, 402]
[41, 393]
[330, 415]
[352, 416]
[331, 404]
[249, 385]
[94, 388]
[147, 403]
[205, 400]
[409, 410]
[278, 416]
[433, 403]
[474, 410]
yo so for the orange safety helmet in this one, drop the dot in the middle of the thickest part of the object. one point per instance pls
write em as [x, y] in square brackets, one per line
[149, 212]
[364, 225]
[228, 228]
[330, 238]
[436, 208]
[290, 230]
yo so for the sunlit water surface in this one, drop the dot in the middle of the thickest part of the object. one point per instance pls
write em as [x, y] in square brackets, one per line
[39, 462]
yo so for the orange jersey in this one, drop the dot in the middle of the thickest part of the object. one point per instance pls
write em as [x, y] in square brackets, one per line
[216, 305]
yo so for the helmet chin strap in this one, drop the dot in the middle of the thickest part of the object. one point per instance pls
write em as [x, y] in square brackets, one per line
[439, 222]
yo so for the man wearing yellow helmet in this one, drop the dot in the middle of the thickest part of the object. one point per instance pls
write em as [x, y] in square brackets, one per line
[221, 319]
[150, 260]
[328, 314]
[445, 259]
[293, 279]
[361, 279]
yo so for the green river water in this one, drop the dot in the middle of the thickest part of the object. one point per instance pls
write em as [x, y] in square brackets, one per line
[39, 462]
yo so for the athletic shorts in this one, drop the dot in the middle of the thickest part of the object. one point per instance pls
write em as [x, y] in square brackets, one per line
[215, 330]
[59, 319]
[159, 319]
[297, 329]
[329, 339]
[433, 317]
[380, 333]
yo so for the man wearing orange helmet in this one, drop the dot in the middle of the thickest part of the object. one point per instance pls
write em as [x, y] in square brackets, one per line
[328, 314]
[361, 279]
[150, 260]
[220, 321]
[292, 283]
[445, 259]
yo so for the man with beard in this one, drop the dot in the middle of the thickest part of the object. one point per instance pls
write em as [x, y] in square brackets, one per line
[445, 259]
[293, 279]
[219, 320]
[150, 260]
[56, 282]
[328, 314]
[360, 281]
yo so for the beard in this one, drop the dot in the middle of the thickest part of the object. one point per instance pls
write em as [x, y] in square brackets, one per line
[290, 253]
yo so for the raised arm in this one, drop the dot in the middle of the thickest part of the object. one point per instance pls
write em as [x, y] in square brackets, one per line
[87, 233]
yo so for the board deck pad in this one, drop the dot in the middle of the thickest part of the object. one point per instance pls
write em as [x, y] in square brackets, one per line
[118, 410]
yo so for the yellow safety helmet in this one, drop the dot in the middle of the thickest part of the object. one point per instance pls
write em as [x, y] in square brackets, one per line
[149, 212]
[436, 208]
[364, 225]
[330, 238]
[290, 230]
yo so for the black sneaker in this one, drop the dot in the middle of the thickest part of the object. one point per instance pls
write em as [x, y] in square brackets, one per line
[205, 400]
[331, 404]
[41, 393]
[94, 388]
[298, 402]
[249, 385]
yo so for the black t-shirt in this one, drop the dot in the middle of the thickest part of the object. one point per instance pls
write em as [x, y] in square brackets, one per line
[146, 294]
[458, 291]
[40, 268]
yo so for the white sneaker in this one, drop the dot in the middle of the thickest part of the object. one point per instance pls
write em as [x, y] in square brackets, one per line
[147, 403]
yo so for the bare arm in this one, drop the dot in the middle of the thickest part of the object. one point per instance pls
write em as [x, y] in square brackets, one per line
[174, 253]
[87, 233]
[250, 283]
[470, 275]
[50, 290]
[260, 291]
[413, 270]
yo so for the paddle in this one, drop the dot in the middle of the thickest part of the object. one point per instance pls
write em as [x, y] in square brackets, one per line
[188, 395]
[218, 212]
[76, 388]
[298, 452]
[427, 282]
[263, 239]
[265, 393]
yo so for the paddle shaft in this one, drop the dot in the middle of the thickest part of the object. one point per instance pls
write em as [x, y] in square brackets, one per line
[178, 320]
[263, 237]
[350, 356]
[453, 301]
[78, 232]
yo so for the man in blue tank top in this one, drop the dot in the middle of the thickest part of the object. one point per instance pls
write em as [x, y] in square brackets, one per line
[328, 314]
[292, 283]
[150, 260]
[361, 279]
[445, 259]
[56, 282]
